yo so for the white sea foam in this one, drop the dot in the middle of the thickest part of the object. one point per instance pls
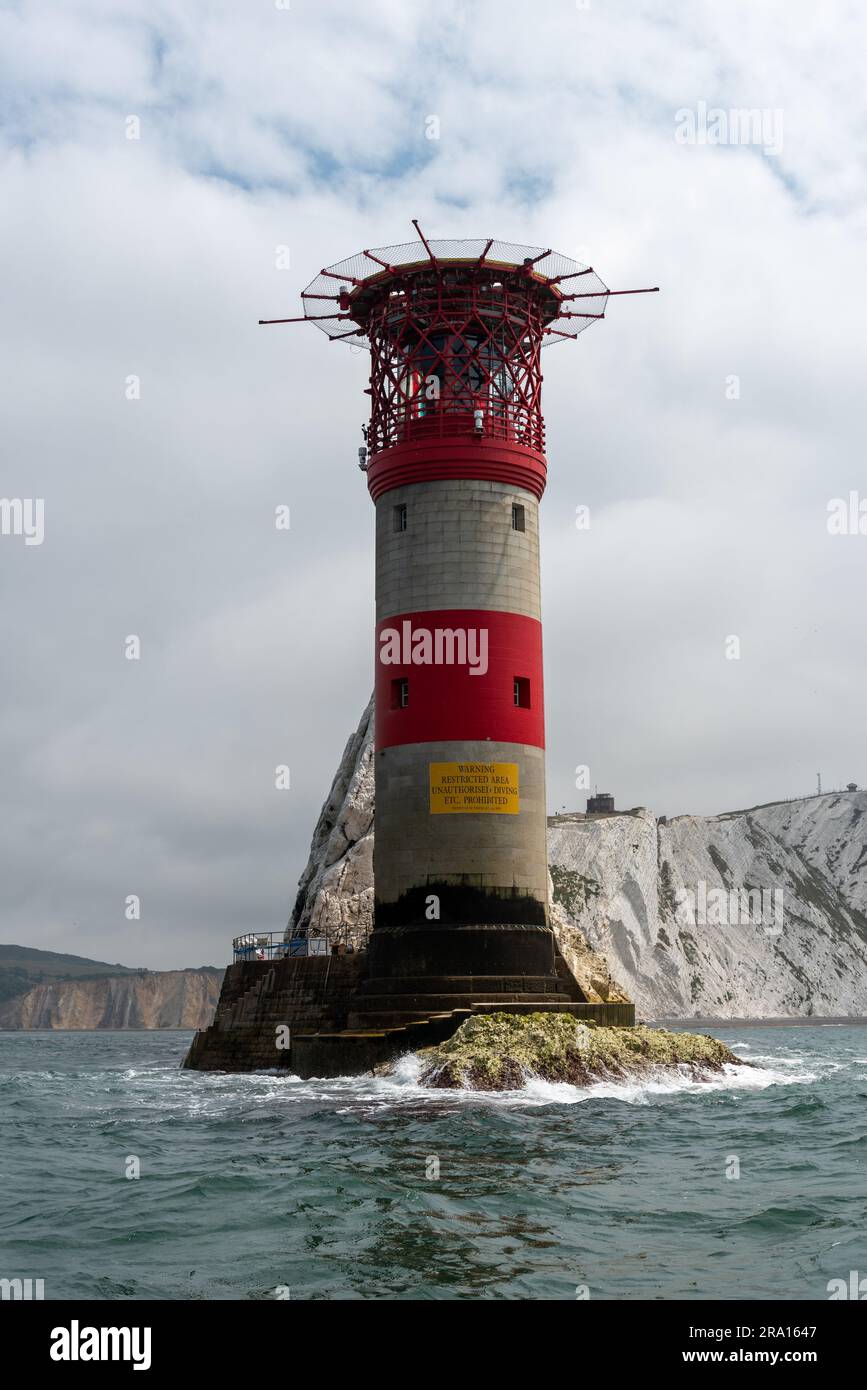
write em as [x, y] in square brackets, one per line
[402, 1086]
[644, 1089]
[221, 1093]
[798, 1068]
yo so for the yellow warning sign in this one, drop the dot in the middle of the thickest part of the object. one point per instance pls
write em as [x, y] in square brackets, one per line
[477, 788]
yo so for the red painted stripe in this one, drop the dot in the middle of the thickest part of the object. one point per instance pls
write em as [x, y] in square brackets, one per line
[446, 702]
[493, 460]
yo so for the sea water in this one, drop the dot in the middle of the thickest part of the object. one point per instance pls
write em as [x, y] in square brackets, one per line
[124, 1177]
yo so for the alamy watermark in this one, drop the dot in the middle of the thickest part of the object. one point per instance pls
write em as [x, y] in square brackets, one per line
[715, 125]
[22, 1290]
[732, 907]
[439, 646]
[855, 1288]
[77, 1343]
[23, 516]
[847, 516]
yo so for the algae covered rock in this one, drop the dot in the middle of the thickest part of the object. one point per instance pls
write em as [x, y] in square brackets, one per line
[497, 1052]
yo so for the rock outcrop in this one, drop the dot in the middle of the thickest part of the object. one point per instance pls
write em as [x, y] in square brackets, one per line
[500, 1052]
[335, 892]
[155, 999]
[657, 911]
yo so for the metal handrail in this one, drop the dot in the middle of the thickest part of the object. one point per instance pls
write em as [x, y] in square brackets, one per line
[272, 945]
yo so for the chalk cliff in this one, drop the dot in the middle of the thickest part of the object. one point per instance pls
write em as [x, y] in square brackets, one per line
[658, 909]
[335, 892]
[158, 999]
[666, 905]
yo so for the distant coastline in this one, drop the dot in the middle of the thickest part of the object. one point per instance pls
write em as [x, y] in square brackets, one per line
[52, 992]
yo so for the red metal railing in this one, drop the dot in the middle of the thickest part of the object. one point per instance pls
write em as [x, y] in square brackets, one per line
[509, 422]
[455, 351]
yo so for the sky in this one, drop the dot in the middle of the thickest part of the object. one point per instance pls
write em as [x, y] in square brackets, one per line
[171, 173]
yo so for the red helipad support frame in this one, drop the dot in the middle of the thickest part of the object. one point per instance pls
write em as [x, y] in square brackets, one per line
[457, 331]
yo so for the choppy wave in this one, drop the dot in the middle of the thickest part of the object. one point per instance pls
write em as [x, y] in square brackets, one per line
[166, 1091]
[377, 1186]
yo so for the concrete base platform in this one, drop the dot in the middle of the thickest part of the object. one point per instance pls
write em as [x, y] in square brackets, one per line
[326, 1016]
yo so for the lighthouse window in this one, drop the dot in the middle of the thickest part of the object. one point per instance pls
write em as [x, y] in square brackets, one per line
[400, 693]
[517, 517]
[400, 517]
[522, 692]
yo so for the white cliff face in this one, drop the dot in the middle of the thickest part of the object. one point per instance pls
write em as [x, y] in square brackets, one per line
[335, 892]
[660, 907]
[603, 870]
[667, 906]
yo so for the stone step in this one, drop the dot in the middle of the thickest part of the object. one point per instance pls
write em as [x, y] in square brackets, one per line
[566, 1007]
[389, 1018]
[428, 1003]
[394, 1018]
[414, 1029]
[414, 1023]
[384, 1018]
[465, 984]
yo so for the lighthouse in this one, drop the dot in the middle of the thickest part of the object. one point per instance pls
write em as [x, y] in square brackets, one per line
[455, 466]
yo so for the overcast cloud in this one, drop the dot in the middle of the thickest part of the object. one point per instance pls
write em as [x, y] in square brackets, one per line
[306, 127]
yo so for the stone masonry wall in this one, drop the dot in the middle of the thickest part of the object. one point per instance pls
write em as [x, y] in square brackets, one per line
[458, 550]
[307, 994]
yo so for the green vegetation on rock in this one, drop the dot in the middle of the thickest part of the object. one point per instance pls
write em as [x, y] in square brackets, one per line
[572, 890]
[497, 1052]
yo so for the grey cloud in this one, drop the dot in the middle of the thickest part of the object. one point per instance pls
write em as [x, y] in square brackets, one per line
[156, 257]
